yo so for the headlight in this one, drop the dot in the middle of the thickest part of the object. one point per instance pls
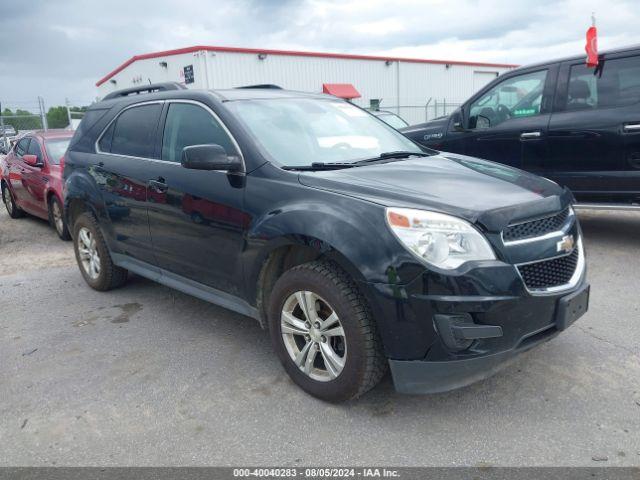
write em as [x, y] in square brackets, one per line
[438, 239]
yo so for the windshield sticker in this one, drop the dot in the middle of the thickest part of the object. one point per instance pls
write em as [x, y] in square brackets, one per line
[524, 112]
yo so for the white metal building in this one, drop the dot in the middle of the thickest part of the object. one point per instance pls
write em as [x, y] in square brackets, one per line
[414, 88]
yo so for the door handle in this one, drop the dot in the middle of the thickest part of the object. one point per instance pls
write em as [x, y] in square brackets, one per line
[529, 135]
[631, 128]
[158, 185]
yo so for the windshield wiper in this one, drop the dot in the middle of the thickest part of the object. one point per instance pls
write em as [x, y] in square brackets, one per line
[337, 165]
[393, 155]
[320, 166]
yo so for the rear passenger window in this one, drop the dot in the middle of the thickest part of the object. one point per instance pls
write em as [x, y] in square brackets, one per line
[133, 133]
[105, 141]
[615, 83]
[189, 124]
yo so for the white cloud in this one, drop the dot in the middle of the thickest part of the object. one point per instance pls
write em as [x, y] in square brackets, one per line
[87, 39]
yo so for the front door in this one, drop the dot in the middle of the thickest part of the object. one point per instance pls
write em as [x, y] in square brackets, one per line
[196, 217]
[126, 155]
[594, 132]
[508, 122]
[34, 181]
[17, 168]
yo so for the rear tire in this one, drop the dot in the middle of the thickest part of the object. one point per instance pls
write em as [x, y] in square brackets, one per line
[7, 198]
[317, 304]
[56, 219]
[93, 256]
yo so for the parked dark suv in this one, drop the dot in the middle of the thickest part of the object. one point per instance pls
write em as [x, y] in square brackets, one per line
[578, 126]
[355, 247]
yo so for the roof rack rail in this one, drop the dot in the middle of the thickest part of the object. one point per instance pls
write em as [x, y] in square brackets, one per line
[151, 88]
[263, 85]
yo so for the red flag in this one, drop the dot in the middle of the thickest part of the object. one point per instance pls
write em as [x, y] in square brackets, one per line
[592, 47]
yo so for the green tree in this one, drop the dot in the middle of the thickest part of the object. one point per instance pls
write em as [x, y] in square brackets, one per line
[57, 117]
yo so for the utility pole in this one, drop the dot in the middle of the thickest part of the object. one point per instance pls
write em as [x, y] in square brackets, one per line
[66, 101]
[43, 114]
[5, 144]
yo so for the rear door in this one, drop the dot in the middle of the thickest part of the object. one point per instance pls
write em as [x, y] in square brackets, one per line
[196, 217]
[594, 132]
[508, 122]
[126, 157]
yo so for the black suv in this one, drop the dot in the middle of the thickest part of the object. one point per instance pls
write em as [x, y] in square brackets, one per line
[578, 126]
[354, 246]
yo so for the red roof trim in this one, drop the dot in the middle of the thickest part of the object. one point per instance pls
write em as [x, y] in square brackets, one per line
[198, 48]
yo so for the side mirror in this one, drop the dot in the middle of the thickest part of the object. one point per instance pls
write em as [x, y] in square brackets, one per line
[210, 157]
[483, 122]
[458, 127]
[31, 160]
[456, 121]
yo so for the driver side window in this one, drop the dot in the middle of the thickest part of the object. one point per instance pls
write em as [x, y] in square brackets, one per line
[519, 96]
[21, 146]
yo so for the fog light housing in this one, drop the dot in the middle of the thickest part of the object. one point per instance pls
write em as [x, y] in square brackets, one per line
[458, 331]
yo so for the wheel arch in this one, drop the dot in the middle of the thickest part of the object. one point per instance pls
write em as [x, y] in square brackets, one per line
[81, 195]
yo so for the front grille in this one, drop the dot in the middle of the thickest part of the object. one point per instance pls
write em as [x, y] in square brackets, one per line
[535, 228]
[550, 273]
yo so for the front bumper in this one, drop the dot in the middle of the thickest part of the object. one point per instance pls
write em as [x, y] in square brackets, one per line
[435, 375]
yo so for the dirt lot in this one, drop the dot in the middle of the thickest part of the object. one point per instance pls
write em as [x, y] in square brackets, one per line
[147, 376]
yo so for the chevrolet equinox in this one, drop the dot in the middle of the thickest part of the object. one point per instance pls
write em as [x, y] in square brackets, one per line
[356, 248]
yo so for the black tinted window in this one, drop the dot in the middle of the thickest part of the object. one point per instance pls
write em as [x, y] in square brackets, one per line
[89, 119]
[189, 124]
[615, 83]
[21, 146]
[105, 141]
[134, 131]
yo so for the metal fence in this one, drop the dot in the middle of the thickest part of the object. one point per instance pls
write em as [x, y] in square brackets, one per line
[431, 109]
[18, 117]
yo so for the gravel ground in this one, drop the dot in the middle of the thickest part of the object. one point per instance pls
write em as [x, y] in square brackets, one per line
[148, 376]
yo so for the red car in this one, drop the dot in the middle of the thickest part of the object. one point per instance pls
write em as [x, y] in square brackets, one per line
[31, 176]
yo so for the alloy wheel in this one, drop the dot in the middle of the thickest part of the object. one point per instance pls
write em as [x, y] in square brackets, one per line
[313, 336]
[57, 217]
[88, 252]
[8, 200]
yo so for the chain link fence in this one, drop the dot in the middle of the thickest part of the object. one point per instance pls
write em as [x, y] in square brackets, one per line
[414, 114]
[18, 117]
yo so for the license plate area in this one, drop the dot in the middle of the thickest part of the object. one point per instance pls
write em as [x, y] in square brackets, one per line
[571, 307]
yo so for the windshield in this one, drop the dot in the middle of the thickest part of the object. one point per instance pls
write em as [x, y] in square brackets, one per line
[394, 120]
[56, 149]
[302, 131]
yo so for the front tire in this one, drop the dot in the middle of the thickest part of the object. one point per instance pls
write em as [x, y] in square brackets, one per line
[324, 334]
[93, 256]
[10, 204]
[56, 219]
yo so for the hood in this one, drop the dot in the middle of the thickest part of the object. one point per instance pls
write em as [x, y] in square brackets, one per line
[473, 189]
[430, 133]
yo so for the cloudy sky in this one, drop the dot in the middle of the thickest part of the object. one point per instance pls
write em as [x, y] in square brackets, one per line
[59, 49]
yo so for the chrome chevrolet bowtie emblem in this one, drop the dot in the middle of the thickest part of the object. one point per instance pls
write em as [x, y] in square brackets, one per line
[566, 244]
